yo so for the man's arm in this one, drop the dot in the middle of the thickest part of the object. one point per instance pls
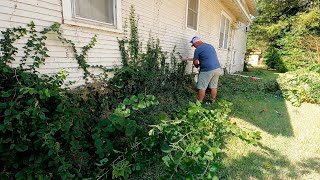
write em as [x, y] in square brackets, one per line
[196, 63]
[187, 59]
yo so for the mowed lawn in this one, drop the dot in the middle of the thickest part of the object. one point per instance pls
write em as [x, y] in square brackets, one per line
[290, 144]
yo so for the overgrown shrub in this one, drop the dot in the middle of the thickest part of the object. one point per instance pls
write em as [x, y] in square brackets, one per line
[49, 132]
[192, 142]
[149, 70]
[301, 85]
[274, 61]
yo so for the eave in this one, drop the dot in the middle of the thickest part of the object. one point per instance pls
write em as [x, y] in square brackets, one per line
[239, 10]
[252, 6]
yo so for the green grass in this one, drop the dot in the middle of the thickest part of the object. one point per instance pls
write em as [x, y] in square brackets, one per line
[262, 73]
[289, 148]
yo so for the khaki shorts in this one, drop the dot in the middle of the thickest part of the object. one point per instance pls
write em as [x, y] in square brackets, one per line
[209, 79]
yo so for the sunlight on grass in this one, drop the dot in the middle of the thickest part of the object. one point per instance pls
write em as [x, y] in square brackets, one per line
[289, 146]
[262, 73]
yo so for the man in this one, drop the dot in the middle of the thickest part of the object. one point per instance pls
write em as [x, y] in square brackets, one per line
[206, 57]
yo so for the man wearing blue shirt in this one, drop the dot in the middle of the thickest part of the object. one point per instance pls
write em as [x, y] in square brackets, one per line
[206, 57]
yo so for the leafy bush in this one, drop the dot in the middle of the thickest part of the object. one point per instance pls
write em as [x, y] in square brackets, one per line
[301, 85]
[192, 142]
[148, 71]
[274, 61]
[49, 132]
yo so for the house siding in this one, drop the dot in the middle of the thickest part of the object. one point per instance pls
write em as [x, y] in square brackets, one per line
[163, 19]
[239, 47]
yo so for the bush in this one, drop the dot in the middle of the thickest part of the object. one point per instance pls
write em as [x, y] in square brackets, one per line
[301, 85]
[274, 61]
[192, 143]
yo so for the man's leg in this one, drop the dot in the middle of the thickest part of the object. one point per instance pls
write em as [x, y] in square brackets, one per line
[214, 93]
[201, 94]
[213, 85]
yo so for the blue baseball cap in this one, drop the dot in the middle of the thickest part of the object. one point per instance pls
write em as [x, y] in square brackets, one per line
[194, 40]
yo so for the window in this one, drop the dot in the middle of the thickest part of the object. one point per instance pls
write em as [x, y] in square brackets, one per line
[224, 32]
[95, 10]
[192, 18]
[97, 14]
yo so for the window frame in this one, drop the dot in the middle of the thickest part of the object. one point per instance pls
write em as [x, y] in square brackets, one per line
[198, 14]
[224, 33]
[69, 17]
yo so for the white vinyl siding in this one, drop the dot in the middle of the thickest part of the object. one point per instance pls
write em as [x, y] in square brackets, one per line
[224, 32]
[95, 10]
[193, 12]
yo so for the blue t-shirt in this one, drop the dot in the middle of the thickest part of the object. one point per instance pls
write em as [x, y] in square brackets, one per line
[207, 56]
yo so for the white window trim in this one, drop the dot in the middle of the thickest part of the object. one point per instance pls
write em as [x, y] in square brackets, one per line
[187, 9]
[68, 18]
[229, 18]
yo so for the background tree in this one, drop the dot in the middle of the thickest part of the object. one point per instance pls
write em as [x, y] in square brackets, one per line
[287, 32]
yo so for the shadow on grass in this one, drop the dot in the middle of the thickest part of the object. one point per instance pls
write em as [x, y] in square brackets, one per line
[266, 110]
[269, 164]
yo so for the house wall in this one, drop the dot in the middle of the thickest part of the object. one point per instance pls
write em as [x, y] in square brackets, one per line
[163, 19]
[238, 49]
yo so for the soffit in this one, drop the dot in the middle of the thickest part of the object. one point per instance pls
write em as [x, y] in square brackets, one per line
[252, 6]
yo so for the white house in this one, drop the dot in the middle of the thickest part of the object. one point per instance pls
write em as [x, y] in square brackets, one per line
[219, 22]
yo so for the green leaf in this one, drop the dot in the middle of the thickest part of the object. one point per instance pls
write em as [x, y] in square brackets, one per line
[42, 116]
[27, 113]
[7, 112]
[21, 147]
[215, 150]
[122, 106]
[209, 156]
[5, 94]
[135, 107]
[166, 148]
[198, 150]
[151, 132]
[213, 169]
[134, 99]
[98, 143]
[18, 116]
[7, 120]
[151, 97]
[140, 96]
[46, 92]
[50, 152]
[127, 113]
[163, 116]
[126, 101]
[142, 105]
[166, 160]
